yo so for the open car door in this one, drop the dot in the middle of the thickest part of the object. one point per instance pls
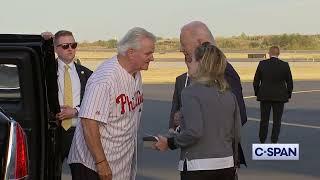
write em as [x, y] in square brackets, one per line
[28, 93]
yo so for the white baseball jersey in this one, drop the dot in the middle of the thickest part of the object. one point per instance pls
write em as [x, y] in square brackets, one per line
[114, 98]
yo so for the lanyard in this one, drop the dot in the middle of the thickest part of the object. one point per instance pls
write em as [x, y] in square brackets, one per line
[186, 82]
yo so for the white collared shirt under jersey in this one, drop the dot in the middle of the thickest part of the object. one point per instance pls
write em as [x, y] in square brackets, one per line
[114, 98]
[76, 86]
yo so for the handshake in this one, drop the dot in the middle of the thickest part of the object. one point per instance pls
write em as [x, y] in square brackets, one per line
[159, 142]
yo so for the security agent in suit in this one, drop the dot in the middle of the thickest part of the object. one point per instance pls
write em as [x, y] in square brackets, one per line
[65, 48]
[273, 87]
[193, 35]
[72, 112]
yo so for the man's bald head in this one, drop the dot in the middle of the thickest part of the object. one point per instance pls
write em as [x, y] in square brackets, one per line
[198, 31]
[193, 35]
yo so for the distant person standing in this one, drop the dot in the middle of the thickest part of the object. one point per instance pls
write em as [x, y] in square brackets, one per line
[273, 87]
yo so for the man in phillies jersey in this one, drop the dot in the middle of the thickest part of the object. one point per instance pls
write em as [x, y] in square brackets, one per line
[105, 142]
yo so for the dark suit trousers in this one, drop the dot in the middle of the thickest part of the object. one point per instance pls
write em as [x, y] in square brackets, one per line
[66, 141]
[241, 158]
[65, 138]
[81, 172]
[265, 109]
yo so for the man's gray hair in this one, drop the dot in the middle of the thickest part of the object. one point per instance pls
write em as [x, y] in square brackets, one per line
[131, 39]
[199, 31]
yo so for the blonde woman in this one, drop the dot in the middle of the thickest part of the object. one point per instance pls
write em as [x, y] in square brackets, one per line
[210, 127]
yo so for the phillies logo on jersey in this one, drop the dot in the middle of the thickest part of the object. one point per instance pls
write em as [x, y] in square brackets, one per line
[124, 100]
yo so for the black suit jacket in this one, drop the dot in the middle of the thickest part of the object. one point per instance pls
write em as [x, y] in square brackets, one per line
[232, 78]
[234, 81]
[176, 99]
[273, 81]
[83, 73]
[51, 69]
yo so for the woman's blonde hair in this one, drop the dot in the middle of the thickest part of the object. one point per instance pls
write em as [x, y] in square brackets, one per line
[211, 68]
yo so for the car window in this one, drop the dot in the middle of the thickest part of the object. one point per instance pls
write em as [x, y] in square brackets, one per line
[9, 82]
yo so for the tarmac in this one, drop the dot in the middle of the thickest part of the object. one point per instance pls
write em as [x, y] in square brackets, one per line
[300, 124]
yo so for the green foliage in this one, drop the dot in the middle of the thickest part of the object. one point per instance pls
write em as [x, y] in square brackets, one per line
[284, 41]
[110, 44]
[165, 45]
[242, 42]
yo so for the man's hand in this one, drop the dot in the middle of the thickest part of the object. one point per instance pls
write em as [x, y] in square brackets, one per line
[177, 117]
[67, 112]
[93, 140]
[47, 35]
[104, 171]
[162, 144]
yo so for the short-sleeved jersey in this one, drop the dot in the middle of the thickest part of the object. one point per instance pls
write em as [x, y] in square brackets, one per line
[114, 98]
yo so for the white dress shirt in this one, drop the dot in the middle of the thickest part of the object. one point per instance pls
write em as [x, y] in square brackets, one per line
[76, 86]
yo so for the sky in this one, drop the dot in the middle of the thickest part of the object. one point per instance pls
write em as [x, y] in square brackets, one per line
[93, 20]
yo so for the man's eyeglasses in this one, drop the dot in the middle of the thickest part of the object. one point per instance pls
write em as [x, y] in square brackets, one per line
[67, 45]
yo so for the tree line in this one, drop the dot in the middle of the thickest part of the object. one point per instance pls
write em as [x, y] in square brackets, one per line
[242, 42]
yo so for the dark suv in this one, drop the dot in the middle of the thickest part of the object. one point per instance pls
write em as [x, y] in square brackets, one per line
[28, 99]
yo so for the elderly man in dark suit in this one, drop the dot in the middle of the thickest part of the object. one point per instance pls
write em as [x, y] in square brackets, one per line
[193, 35]
[273, 87]
[183, 80]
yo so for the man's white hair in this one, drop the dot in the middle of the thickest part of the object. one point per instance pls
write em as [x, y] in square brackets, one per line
[131, 39]
[199, 31]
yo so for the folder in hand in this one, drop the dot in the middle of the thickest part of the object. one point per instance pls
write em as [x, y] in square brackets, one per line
[149, 141]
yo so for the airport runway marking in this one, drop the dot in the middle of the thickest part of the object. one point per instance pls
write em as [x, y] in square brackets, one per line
[288, 124]
[306, 91]
[249, 97]
[296, 92]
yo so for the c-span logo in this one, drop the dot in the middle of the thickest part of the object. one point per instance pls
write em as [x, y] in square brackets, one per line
[275, 151]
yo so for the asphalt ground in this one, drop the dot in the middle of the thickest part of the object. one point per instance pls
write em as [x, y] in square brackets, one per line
[301, 124]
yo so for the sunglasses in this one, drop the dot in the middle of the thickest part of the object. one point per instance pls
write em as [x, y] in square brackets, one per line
[67, 45]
